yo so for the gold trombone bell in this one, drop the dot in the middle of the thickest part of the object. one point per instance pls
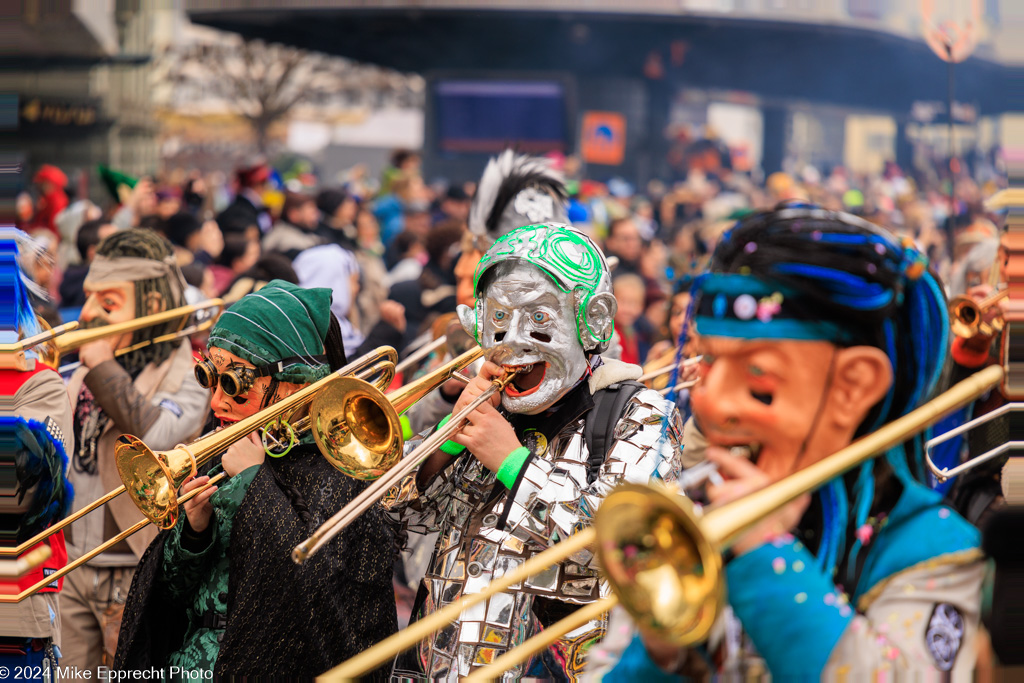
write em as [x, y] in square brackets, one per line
[662, 560]
[967, 316]
[357, 427]
[152, 478]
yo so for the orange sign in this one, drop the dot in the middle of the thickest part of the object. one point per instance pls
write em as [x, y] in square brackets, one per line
[603, 138]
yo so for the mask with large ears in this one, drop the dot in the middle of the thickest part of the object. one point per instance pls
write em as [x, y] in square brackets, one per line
[544, 293]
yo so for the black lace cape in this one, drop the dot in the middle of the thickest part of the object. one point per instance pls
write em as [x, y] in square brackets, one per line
[283, 619]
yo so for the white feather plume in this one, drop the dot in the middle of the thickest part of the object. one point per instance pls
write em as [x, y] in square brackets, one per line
[500, 170]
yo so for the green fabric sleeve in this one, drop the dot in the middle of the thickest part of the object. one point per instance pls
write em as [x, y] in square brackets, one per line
[510, 466]
[182, 570]
[229, 496]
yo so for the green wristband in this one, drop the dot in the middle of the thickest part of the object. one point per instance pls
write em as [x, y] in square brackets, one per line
[510, 466]
[450, 447]
[406, 427]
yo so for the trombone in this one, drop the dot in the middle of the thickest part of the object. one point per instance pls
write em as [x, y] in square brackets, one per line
[370, 427]
[420, 353]
[102, 548]
[12, 355]
[967, 316]
[12, 569]
[943, 474]
[152, 478]
[53, 349]
[448, 333]
[365, 365]
[662, 558]
[663, 366]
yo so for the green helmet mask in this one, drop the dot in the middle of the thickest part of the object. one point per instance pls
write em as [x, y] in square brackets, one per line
[572, 261]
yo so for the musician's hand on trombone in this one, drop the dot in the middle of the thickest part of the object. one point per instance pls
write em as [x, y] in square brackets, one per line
[243, 454]
[99, 351]
[198, 509]
[488, 436]
[742, 478]
[489, 372]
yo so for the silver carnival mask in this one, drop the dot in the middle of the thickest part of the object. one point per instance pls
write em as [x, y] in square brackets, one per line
[530, 322]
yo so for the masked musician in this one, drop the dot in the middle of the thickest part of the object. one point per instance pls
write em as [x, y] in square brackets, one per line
[532, 465]
[514, 190]
[817, 328]
[978, 492]
[150, 392]
[219, 592]
[39, 429]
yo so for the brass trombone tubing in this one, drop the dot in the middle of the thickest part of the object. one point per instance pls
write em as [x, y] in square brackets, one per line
[100, 549]
[198, 452]
[722, 524]
[685, 363]
[681, 385]
[99, 502]
[967, 330]
[304, 424]
[371, 494]
[541, 641]
[385, 650]
[36, 339]
[420, 354]
[993, 299]
[12, 569]
[67, 521]
[180, 334]
[73, 340]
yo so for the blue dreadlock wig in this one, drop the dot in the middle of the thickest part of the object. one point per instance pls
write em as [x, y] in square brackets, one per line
[801, 272]
[16, 313]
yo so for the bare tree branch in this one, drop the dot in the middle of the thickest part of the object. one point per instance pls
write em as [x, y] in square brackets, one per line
[264, 83]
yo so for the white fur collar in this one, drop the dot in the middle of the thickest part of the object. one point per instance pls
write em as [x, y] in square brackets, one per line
[611, 371]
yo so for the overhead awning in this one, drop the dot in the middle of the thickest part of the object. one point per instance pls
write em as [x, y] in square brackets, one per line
[823, 63]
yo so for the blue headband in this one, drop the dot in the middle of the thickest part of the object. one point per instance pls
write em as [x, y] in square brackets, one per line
[747, 307]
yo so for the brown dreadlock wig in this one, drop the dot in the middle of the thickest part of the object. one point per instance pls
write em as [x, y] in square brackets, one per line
[148, 245]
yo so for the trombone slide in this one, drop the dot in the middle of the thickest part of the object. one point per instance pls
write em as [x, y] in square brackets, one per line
[385, 650]
[716, 530]
[371, 494]
[12, 569]
[36, 339]
[186, 332]
[74, 340]
[100, 549]
[12, 356]
[420, 353]
[54, 528]
[544, 639]
[669, 368]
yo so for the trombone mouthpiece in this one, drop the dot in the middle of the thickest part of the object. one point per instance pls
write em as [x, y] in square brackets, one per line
[499, 355]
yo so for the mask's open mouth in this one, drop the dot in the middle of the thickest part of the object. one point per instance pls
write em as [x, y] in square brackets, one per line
[528, 379]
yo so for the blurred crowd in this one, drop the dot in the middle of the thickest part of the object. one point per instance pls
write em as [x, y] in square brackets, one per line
[388, 247]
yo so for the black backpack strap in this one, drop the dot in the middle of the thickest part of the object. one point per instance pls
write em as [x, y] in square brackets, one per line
[599, 428]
